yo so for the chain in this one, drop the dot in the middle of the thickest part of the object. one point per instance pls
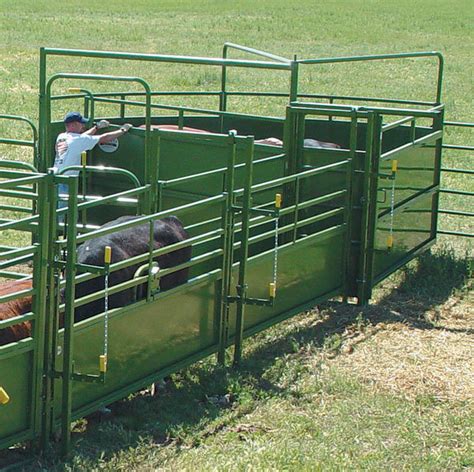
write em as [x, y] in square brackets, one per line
[275, 258]
[106, 317]
[392, 205]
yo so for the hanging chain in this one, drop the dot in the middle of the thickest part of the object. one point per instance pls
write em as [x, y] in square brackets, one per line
[106, 316]
[392, 205]
[275, 258]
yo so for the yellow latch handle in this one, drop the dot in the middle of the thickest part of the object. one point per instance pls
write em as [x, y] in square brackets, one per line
[272, 288]
[107, 254]
[394, 165]
[84, 158]
[278, 199]
[389, 242]
[103, 363]
[74, 90]
[4, 397]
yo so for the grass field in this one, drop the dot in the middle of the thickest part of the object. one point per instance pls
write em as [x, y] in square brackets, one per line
[386, 387]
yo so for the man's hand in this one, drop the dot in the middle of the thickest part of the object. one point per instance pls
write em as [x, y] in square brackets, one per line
[61, 147]
[125, 127]
[102, 124]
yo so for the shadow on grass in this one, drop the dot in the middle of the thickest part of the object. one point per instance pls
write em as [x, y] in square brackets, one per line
[205, 398]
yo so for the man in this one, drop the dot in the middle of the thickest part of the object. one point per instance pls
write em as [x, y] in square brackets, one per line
[76, 140]
[72, 143]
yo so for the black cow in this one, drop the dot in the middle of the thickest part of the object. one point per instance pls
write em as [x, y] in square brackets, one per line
[126, 244]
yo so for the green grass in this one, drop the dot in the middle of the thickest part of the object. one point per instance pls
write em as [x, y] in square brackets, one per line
[288, 407]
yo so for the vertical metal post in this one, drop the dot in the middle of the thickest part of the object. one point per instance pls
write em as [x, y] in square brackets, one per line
[228, 247]
[438, 124]
[40, 161]
[244, 246]
[361, 273]
[294, 80]
[151, 164]
[297, 201]
[439, 87]
[40, 280]
[151, 241]
[51, 322]
[122, 106]
[348, 203]
[69, 316]
[373, 220]
[223, 94]
[369, 207]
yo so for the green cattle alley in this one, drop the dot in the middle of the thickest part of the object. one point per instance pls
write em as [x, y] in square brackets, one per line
[276, 226]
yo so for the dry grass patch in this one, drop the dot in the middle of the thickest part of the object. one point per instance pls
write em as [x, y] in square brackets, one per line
[414, 359]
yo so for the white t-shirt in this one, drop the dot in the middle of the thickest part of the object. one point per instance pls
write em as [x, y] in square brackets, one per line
[76, 144]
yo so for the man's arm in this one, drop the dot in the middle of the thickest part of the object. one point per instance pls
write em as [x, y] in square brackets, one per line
[107, 137]
[97, 126]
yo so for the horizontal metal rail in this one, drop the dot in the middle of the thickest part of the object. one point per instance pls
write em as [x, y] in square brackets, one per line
[144, 279]
[166, 58]
[458, 147]
[456, 212]
[107, 199]
[290, 178]
[193, 241]
[14, 275]
[17, 224]
[17, 295]
[250, 94]
[17, 165]
[456, 192]
[377, 57]
[6, 184]
[456, 171]
[19, 194]
[144, 219]
[456, 233]
[17, 252]
[461, 124]
[417, 142]
[100, 169]
[256, 52]
[16, 208]
[209, 173]
[346, 110]
[396, 124]
[16, 320]
[14, 262]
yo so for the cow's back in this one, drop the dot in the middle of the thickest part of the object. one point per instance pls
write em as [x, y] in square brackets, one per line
[126, 244]
[15, 308]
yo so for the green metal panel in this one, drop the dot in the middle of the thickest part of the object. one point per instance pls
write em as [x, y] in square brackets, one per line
[307, 269]
[16, 378]
[144, 339]
[411, 230]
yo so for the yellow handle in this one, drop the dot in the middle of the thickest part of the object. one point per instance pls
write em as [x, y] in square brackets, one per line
[74, 90]
[4, 397]
[278, 199]
[272, 289]
[84, 158]
[107, 254]
[103, 363]
[394, 165]
[389, 242]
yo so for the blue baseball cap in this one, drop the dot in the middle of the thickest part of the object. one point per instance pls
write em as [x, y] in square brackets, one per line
[75, 116]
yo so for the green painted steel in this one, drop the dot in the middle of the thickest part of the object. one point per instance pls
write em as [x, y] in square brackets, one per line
[350, 216]
[467, 228]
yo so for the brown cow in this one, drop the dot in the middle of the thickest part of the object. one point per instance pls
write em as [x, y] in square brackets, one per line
[15, 308]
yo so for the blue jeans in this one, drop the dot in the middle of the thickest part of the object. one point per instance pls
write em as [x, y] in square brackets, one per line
[64, 190]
